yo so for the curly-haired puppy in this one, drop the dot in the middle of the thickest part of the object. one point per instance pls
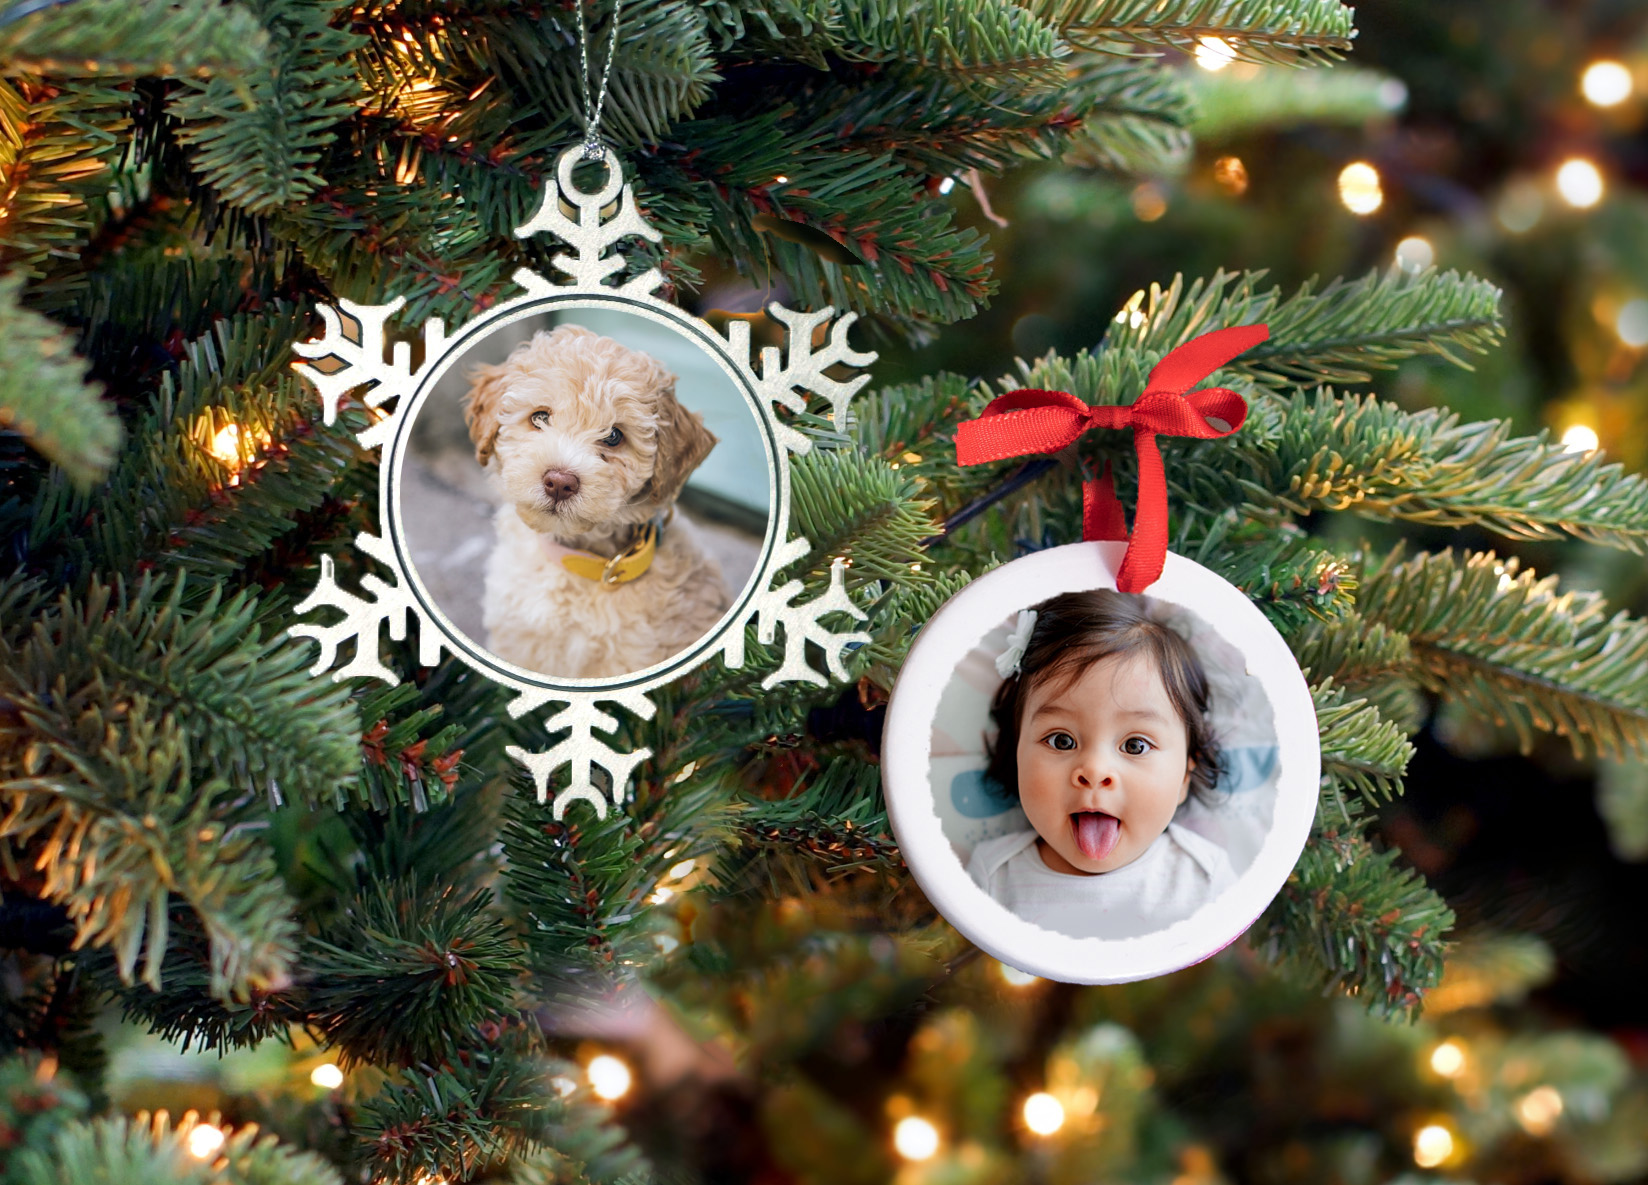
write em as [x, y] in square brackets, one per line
[590, 445]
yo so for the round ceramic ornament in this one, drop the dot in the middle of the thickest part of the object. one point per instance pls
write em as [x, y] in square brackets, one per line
[1040, 745]
[604, 420]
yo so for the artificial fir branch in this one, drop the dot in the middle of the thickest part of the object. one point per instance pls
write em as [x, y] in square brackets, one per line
[1139, 118]
[1505, 645]
[1361, 752]
[179, 38]
[1289, 31]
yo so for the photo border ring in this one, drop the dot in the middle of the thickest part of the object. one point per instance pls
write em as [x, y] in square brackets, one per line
[959, 626]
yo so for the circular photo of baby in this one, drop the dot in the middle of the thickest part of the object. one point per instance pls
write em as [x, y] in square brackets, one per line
[1098, 786]
[587, 492]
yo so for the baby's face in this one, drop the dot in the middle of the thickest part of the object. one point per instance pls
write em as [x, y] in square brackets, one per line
[1102, 765]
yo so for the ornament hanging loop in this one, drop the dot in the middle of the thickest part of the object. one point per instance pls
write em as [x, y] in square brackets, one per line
[1025, 422]
[593, 148]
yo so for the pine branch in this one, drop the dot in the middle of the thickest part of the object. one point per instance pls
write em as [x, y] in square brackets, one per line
[1508, 648]
[258, 140]
[1361, 752]
[1622, 801]
[994, 40]
[1139, 120]
[848, 505]
[1491, 968]
[1333, 336]
[1286, 31]
[1227, 106]
[245, 706]
[176, 38]
[1367, 660]
[408, 974]
[1292, 580]
[44, 394]
[1349, 917]
[133, 1151]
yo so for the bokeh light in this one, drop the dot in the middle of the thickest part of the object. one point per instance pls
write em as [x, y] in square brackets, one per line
[1230, 174]
[1214, 53]
[1014, 976]
[1606, 83]
[1580, 438]
[1359, 188]
[1448, 1059]
[1415, 253]
[1043, 1114]
[1579, 182]
[1632, 323]
[1432, 1145]
[327, 1075]
[1539, 1109]
[915, 1138]
[609, 1078]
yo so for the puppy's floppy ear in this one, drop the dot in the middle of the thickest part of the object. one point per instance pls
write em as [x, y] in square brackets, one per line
[683, 443]
[480, 408]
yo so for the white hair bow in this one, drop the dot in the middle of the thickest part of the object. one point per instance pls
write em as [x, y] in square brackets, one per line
[1007, 662]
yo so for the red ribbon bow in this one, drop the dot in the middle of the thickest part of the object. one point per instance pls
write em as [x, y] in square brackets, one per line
[1021, 423]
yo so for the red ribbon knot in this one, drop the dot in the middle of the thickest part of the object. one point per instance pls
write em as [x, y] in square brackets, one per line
[1024, 423]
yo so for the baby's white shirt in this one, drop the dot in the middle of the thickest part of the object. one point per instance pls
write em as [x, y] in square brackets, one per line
[1178, 874]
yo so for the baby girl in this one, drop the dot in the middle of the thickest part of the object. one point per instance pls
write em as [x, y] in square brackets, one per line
[1103, 733]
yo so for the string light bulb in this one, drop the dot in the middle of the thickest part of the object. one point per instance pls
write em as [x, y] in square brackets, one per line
[1579, 182]
[1360, 189]
[915, 1138]
[1606, 83]
[225, 445]
[1043, 1114]
[327, 1076]
[1448, 1059]
[1432, 1146]
[1230, 174]
[1214, 53]
[609, 1078]
[204, 1141]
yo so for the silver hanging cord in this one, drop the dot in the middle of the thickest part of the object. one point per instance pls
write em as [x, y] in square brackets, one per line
[593, 148]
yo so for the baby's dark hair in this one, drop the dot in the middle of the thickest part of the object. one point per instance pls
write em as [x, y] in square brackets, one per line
[1076, 630]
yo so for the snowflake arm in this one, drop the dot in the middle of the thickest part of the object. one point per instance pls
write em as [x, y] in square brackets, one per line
[363, 362]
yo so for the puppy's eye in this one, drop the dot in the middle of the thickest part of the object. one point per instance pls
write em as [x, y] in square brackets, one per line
[612, 439]
[540, 419]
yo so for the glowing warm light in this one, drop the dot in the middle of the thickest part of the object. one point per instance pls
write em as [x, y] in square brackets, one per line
[1539, 1109]
[1149, 202]
[1214, 53]
[1579, 183]
[562, 1085]
[1448, 1059]
[1132, 313]
[609, 1078]
[1043, 1114]
[1415, 253]
[1432, 1145]
[225, 445]
[781, 180]
[205, 1140]
[1230, 174]
[946, 185]
[1014, 976]
[915, 1138]
[677, 871]
[1605, 84]
[1359, 188]
[1632, 323]
[1580, 438]
[327, 1076]
[661, 894]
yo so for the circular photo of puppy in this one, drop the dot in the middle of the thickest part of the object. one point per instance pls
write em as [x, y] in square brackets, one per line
[586, 492]
[1097, 786]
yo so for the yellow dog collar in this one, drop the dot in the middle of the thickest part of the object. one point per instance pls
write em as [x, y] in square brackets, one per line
[627, 565]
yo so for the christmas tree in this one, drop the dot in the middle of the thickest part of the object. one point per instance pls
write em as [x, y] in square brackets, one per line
[354, 893]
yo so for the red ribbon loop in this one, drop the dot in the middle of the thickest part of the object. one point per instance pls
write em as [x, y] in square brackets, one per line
[1024, 423]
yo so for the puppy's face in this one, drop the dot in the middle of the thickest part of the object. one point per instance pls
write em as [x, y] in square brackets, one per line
[586, 434]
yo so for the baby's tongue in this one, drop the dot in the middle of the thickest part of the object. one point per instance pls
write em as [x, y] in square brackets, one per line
[1096, 833]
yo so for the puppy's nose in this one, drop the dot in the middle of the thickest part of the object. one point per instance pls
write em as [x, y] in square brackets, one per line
[560, 484]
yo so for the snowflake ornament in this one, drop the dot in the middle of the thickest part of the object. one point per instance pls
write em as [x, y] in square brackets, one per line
[356, 351]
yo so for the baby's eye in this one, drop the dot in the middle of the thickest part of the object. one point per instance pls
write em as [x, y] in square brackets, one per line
[1062, 741]
[1136, 746]
[540, 419]
[612, 439]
